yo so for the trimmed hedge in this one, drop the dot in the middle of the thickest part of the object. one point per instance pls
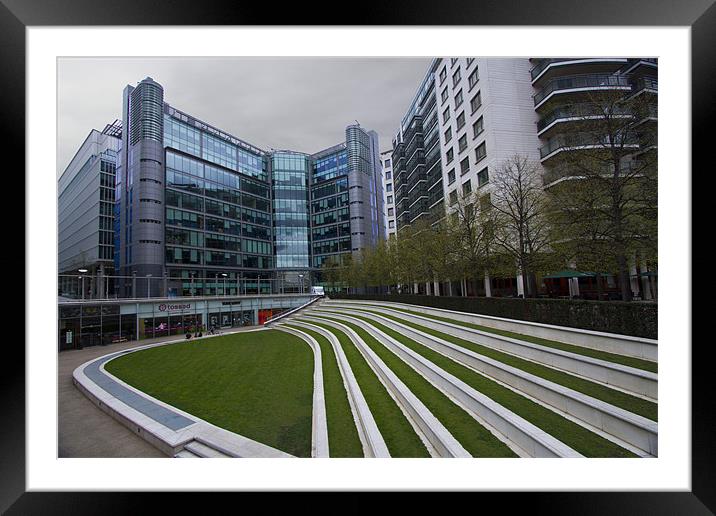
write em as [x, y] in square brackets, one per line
[635, 319]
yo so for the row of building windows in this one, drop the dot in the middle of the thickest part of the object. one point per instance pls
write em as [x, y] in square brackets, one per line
[339, 245]
[192, 220]
[186, 256]
[192, 202]
[330, 166]
[329, 188]
[191, 140]
[331, 217]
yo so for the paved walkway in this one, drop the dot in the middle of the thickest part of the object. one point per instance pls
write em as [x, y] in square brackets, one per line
[83, 429]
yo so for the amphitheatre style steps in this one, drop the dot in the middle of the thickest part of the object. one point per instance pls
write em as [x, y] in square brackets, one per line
[642, 348]
[397, 380]
[629, 379]
[622, 426]
[371, 438]
[441, 443]
[529, 440]
[617, 397]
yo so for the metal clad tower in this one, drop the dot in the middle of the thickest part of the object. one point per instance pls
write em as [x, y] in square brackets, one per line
[143, 197]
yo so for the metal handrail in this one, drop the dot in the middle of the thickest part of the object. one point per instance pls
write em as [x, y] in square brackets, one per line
[581, 81]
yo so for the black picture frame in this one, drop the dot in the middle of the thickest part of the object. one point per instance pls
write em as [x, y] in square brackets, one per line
[700, 15]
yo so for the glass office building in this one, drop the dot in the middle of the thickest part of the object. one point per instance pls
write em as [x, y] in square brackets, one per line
[209, 212]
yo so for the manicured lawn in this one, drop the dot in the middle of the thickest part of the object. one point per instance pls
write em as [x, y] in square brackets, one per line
[343, 440]
[638, 363]
[614, 397]
[399, 435]
[258, 384]
[570, 433]
[474, 437]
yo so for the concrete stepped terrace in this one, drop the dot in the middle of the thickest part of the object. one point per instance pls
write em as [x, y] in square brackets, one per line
[363, 379]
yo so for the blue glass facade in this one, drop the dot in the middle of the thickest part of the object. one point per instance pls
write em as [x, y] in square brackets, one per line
[330, 214]
[289, 176]
[200, 203]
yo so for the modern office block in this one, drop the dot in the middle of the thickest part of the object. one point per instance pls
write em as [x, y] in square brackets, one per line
[86, 206]
[206, 211]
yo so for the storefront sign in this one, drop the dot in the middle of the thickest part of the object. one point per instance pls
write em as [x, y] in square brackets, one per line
[174, 307]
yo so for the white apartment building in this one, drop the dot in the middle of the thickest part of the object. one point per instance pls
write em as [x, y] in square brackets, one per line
[386, 161]
[486, 117]
[488, 110]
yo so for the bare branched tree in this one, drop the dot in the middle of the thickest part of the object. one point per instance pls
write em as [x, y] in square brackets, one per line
[518, 213]
[470, 228]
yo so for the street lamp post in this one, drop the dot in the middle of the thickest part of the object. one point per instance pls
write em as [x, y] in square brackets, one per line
[82, 277]
[224, 276]
[300, 277]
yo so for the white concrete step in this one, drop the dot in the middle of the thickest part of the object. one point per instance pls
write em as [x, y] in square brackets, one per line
[186, 454]
[202, 450]
[522, 436]
[631, 380]
[368, 432]
[638, 347]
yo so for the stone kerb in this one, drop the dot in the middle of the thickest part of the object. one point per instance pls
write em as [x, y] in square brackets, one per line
[162, 425]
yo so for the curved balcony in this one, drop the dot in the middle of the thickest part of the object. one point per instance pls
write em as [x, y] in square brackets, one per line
[639, 66]
[648, 84]
[581, 141]
[606, 65]
[576, 112]
[627, 167]
[580, 83]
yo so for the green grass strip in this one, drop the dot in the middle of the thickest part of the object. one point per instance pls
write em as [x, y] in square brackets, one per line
[474, 437]
[637, 363]
[343, 439]
[570, 433]
[398, 433]
[645, 408]
[258, 384]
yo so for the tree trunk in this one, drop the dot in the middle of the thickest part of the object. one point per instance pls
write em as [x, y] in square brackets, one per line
[624, 277]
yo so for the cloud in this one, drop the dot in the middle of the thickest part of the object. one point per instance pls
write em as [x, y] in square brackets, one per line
[302, 104]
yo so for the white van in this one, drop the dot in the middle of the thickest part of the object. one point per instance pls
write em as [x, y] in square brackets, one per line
[317, 291]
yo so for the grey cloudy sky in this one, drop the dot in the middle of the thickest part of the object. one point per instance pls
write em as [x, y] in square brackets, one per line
[302, 104]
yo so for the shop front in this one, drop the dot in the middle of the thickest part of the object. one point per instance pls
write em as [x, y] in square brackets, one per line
[83, 324]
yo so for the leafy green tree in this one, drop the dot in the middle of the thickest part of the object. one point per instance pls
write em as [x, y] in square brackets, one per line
[603, 192]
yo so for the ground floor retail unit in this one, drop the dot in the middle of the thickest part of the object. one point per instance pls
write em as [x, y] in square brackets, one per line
[91, 323]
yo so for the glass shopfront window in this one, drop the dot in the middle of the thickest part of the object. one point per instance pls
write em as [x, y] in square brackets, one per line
[92, 325]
